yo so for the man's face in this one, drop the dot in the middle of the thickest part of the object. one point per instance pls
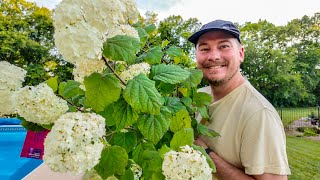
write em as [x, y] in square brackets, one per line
[219, 56]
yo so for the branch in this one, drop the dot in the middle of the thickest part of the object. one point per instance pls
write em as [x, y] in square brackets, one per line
[104, 59]
[78, 108]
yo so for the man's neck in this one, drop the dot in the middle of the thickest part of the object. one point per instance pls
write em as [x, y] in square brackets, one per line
[219, 92]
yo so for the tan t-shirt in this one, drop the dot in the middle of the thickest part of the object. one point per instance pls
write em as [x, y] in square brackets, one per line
[252, 134]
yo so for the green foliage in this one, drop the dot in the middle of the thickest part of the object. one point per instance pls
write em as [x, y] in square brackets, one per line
[120, 114]
[182, 138]
[101, 91]
[280, 61]
[121, 48]
[153, 127]
[142, 95]
[113, 161]
[176, 31]
[26, 38]
[171, 74]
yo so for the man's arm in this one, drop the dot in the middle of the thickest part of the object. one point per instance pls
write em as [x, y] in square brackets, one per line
[227, 171]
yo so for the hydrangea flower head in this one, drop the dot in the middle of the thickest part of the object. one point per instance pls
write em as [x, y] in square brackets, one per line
[187, 164]
[7, 102]
[11, 76]
[86, 68]
[81, 25]
[39, 104]
[73, 144]
[135, 70]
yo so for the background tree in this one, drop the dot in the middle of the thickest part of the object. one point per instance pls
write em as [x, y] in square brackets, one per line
[280, 60]
[26, 38]
[176, 30]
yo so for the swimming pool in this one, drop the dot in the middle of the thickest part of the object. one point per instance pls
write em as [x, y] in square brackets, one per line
[12, 166]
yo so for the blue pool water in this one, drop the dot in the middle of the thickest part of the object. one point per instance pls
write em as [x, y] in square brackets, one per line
[12, 166]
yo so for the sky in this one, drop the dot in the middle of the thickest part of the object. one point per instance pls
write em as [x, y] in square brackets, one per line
[278, 12]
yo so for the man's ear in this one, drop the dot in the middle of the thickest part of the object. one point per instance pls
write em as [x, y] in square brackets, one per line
[241, 53]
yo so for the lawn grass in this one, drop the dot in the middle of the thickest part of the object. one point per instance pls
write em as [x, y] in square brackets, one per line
[288, 115]
[304, 158]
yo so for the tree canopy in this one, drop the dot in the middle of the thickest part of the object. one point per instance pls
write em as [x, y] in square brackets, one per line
[26, 38]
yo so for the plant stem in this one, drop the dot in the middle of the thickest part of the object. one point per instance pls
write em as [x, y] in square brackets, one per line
[113, 71]
[78, 108]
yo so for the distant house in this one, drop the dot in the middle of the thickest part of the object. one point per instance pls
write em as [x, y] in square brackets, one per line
[318, 66]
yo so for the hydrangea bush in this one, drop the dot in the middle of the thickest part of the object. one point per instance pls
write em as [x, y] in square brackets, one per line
[130, 111]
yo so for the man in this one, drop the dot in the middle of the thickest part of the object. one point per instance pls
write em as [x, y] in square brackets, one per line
[252, 140]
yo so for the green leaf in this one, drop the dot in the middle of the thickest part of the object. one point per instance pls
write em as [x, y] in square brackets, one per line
[202, 99]
[166, 88]
[152, 160]
[47, 126]
[153, 56]
[138, 151]
[172, 74]
[120, 114]
[113, 161]
[70, 89]
[164, 43]
[174, 51]
[101, 91]
[32, 126]
[173, 104]
[151, 175]
[184, 91]
[194, 79]
[143, 35]
[122, 48]
[180, 121]
[203, 111]
[164, 149]
[202, 129]
[153, 127]
[182, 138]
[128, 175]
[185, 34]
[186, 101]
[208, 158]
[142, 95]
[53, 83]
[126, 140]
[150, 28]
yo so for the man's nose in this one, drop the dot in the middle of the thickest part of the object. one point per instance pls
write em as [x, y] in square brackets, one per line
[213, 55]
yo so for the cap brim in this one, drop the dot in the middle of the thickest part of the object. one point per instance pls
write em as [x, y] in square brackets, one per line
[195, 37]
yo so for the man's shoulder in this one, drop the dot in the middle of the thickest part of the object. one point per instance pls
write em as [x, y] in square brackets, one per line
[256, 101]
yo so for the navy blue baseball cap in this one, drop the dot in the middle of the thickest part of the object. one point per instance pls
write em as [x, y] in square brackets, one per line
[216, 25]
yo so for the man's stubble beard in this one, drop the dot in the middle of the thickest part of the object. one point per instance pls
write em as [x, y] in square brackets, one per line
[218, 83]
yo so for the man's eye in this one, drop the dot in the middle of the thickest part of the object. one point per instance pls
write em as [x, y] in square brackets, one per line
[224, 46]
[204, 49]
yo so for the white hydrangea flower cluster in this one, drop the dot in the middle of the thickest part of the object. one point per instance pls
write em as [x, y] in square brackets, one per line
[123, 29]
[135, 70]
[73, 144]
[79, 42]
[7, 102]
[11, 79]
[81, 25]
[39, 104]
[187, 164]
[11, 76]
[86, 68]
